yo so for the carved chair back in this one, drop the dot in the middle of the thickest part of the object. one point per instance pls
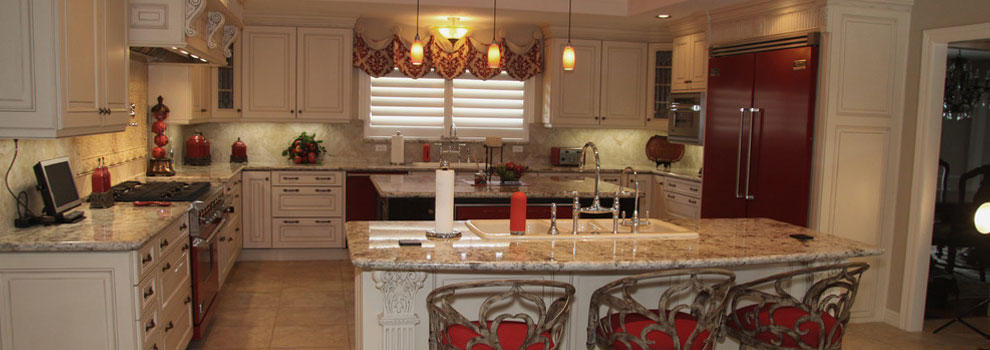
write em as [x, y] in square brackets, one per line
[544, 323]
[823, 311]
[699, 293]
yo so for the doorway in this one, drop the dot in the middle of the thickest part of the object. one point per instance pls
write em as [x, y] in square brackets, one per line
[928, 190]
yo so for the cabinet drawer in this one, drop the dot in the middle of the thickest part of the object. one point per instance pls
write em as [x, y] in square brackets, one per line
[177, 327]
[147, 258]
[156, 341]
[149, 326]
[307, 201]
[682, 206]
[685, 187]
[174, 277]
[148, 294]
[174, 236]
[308, 233]
[310, 178]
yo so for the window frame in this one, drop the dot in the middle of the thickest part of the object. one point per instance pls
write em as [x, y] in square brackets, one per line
[364, 101]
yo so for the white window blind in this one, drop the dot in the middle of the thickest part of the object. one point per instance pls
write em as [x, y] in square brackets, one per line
[427, 107]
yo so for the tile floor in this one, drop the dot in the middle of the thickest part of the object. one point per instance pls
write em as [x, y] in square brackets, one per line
[310, 305]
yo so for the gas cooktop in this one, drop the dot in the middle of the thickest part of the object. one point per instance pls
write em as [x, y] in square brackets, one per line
[132, 191]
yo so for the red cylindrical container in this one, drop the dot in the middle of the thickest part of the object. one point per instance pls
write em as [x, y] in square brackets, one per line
[99, 185]
[517, 214]
[426, 152]
[106, 175]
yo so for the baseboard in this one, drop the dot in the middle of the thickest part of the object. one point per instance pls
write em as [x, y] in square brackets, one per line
[293, 254]
[892, 318]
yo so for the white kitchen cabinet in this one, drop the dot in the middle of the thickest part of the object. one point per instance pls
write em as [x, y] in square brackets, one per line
[232, 236]
[65, 70]
[676, 197]
[658, 85]
[296, 74]
[690, 63]
[225, 89]
[186, 90]
[257, 214]
[138, 299]
[606, 88]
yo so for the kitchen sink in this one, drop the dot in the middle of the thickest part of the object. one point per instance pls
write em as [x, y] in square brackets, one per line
[455, 165]
[588, 229]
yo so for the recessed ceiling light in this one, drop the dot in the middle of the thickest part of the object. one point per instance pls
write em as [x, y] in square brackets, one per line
[663, 16]
[184, 52]
[203, 59]
[193, 56]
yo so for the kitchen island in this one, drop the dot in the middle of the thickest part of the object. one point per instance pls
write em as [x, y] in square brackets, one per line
[393, 282]
[410, 196]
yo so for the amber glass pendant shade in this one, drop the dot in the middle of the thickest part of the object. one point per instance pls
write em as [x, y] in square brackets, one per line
[568, 58]
[494, 56]
[416, 52]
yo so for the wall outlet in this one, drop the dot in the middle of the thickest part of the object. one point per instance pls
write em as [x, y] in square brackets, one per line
[517, 149]
[381, 148]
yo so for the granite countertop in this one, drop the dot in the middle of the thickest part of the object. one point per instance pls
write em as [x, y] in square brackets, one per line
[118, 228]
[373, 245]
[423, 185]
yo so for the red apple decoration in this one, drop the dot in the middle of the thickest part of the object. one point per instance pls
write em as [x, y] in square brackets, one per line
[158, 127]
[158, 152]
[161, 140]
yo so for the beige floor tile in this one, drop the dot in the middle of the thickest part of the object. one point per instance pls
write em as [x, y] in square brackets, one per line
[222, 337]
[232, 299]
[256, 317]
[310, 336]
[302, 297]
[311, 316]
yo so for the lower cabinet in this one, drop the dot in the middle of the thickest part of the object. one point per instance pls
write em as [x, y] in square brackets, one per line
[230, 243]
[676, 197]
[137, 299]
[293, 209]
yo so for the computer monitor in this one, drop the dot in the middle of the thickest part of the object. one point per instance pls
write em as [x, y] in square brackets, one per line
[58, 188]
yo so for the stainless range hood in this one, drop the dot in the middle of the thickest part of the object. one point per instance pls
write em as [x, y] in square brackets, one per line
[184, 31]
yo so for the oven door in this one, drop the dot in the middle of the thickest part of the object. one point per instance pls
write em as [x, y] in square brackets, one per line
[206, 275]
[686, 120]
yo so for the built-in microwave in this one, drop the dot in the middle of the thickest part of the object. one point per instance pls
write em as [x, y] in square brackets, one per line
[686, 120]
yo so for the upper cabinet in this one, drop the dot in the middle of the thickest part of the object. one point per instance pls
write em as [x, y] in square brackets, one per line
[296, 74]
[186, 90]
[607, 86]
[658, 89]
[690, 63]
[65, 68]
[225, 88]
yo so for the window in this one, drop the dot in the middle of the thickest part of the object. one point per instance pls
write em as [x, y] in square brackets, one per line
[427, 107]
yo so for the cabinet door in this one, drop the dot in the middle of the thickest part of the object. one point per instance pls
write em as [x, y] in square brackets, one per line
[199, 81]
[256, 220]
[681, 69]
[116, 58]
[699, 62]
[82, 61]
[623, 83]
[657, 207]
[576, 95]
[658, 85]
[269, 75]
[323, 78]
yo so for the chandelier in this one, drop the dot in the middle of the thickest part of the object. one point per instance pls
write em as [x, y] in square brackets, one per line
[966, 89]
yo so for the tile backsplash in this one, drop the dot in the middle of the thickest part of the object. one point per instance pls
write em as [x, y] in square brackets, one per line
[345, 143]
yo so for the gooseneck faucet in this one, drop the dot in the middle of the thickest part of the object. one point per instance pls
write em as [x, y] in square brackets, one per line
[596, 205]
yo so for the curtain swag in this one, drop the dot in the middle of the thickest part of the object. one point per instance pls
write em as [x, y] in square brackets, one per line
[379, 58]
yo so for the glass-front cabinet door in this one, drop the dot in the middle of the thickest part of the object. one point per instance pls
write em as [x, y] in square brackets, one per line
[658, 88]
[226, 88]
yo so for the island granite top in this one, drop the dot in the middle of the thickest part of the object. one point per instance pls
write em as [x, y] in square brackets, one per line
[423, 185]
[373, 245]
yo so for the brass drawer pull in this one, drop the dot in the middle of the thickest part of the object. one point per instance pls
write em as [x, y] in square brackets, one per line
[149, 292]
[324, 178]
[169, 326]
[223, 239]
[290, 190]
[163, 244]
[151, 324]
[290, 178]
[166, 267]
[693, 189]
[188, 300]
[146, 259]
[290, 221]
[185, 247]
[692, 201]
[323, 221]
[183, 227]
[323, 190]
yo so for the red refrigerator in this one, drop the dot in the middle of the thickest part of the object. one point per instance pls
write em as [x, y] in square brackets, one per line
[758, 135]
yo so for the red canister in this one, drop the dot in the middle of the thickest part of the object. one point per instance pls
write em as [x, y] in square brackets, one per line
[238, 151]
[517, 214]
[197, 150]
[426, 152]
[100, 178]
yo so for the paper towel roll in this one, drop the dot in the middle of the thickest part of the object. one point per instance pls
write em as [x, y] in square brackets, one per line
[398, 148]
[445, 201]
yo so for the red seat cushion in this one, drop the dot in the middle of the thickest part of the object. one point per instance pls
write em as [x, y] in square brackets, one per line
[684, 323]
[786, 316]
[511, 335]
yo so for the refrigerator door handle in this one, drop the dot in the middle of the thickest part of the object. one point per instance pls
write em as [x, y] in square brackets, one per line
[749, 149]
[742, 118]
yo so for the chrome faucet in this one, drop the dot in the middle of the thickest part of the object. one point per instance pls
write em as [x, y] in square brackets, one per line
[635, 222]
[596, 205]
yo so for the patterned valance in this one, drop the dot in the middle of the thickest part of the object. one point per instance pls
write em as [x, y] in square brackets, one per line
[381, 57]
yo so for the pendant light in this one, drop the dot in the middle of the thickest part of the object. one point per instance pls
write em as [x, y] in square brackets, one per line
[416, 50]
[569, 57]
[494, 54]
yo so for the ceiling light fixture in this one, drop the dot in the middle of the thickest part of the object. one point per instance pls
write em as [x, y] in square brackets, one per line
[453, 31]
[982, 218]
[569, 56]
[416, 50]
[663, 16]
[494, 54]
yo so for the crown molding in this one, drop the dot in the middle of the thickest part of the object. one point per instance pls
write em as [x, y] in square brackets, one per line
[551, 32]
[699, 22]
[267, 19]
